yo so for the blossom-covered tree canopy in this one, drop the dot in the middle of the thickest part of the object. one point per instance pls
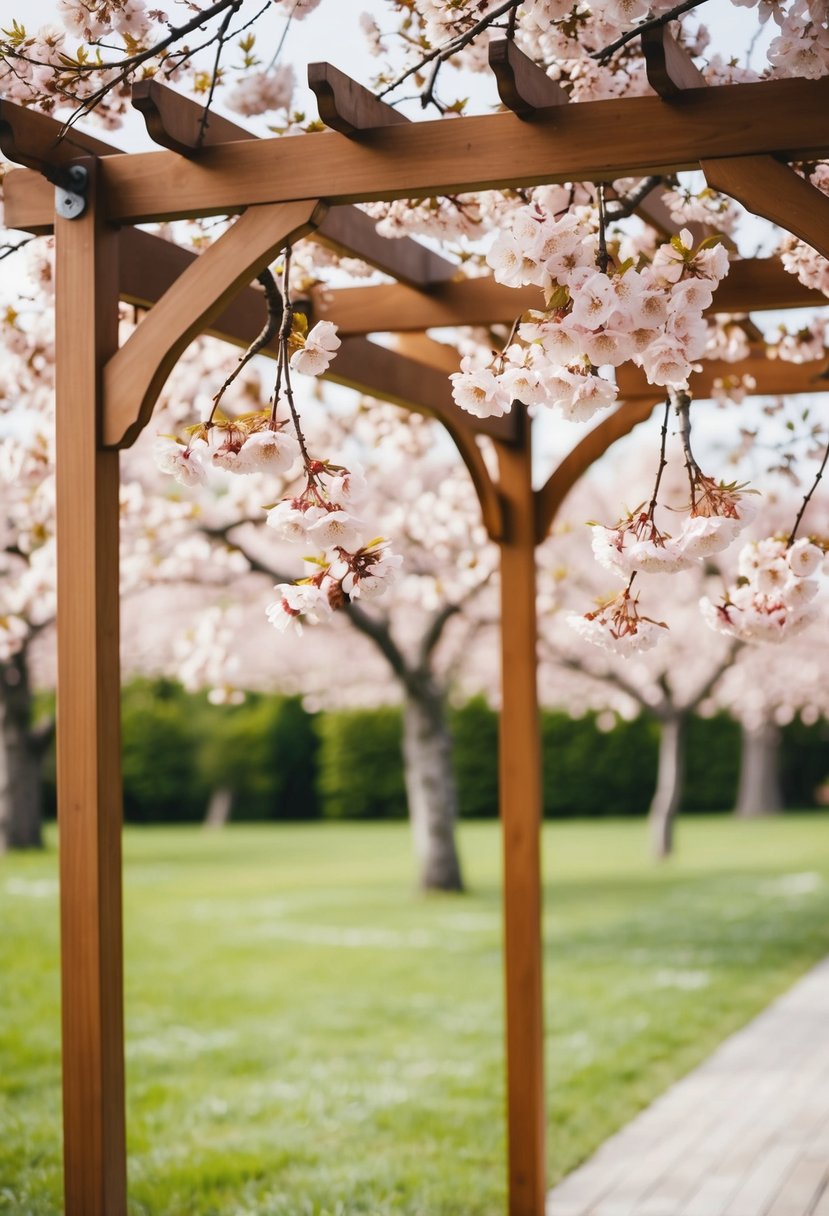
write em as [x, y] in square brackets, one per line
[612, 290]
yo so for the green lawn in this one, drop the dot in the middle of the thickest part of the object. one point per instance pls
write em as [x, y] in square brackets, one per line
[307, 1037]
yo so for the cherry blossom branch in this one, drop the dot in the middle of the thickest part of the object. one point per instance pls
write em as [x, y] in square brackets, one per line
[808, 497]
[681, 402]
[662, 460]
[7, 250]
[653, 23]
[602, 257]
[442, 53]
[272, 325]
[221, 38]
[621, 208]
[283, 367]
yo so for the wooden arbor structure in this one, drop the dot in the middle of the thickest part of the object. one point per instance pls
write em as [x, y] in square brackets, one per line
[742, 136]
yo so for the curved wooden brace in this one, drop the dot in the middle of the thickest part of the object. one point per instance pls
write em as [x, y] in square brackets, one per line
[588, 450]
[379, 372]
[135, 375]
[773, 190]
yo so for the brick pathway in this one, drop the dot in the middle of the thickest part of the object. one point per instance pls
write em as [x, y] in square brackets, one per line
[745, 1134]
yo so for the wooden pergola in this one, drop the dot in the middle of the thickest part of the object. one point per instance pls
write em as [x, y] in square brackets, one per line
[743, 137]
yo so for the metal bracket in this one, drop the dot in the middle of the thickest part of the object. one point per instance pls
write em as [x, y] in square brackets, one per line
[70, 192]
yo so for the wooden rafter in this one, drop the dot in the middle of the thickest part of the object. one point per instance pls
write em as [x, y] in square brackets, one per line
[765, 186]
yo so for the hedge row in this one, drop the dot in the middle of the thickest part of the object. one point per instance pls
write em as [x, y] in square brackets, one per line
[282, 762]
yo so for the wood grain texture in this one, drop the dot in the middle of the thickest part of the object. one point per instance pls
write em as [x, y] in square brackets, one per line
[773, 190]
[32, 139]
[772, 377]
[88, 724]
[591, 141]
[523, 86]
[670, 69]
[345, 105]
[174, 122]
[520, 810]
[136, 373]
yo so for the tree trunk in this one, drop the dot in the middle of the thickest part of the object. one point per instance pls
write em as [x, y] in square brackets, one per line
[430, 787]
[20, 757]
[219, 808]
[669, 783]
[759, 791]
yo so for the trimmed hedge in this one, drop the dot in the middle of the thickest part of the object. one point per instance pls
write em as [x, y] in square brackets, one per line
[283, 763]
[360, 765]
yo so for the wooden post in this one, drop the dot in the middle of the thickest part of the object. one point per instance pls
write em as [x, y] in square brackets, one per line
[88, 724]
[520, 806]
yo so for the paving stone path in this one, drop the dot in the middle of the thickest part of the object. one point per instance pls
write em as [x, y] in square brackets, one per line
[745, 1134]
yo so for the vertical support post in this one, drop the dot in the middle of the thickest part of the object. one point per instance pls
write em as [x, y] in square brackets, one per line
[88, 723]
[521, 811]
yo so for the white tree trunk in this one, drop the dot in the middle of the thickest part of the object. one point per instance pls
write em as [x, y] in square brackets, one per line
[430, 789]
[669, 783]
[219, 808]
[759, 791]
[20, 784]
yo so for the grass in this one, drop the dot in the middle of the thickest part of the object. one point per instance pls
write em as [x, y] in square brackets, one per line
[307, 1037]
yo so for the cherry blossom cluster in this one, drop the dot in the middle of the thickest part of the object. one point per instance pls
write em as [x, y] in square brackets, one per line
[617, 625]
[774, 596]
[716, 517]
[350, 563]
[595, 317]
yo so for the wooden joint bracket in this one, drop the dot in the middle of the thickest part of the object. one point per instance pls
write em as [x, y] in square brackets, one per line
[523, 86]
[346, 106]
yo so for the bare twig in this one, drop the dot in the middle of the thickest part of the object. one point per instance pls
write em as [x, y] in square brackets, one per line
[653, 23]
[662, 460]
[221, 37]
[6, 251]
[267, 334]
[453, 45]
[808, 497]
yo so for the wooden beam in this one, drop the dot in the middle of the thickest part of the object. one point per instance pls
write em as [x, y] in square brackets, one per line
[752, 285]
[180, 123]
[523, 86]
[773, 190]
[586, 452]
[773, 377]
[34, 140]
[352, 233]
[175, 122]
[88, 722]
[346, 106]
[519, 781]
[422, 349]
[135, 374]
[762, 184]
[591, 141]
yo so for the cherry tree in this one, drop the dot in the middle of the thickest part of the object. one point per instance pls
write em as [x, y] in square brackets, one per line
[609, 293]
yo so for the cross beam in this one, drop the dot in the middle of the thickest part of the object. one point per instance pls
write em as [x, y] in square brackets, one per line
[593, 141]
